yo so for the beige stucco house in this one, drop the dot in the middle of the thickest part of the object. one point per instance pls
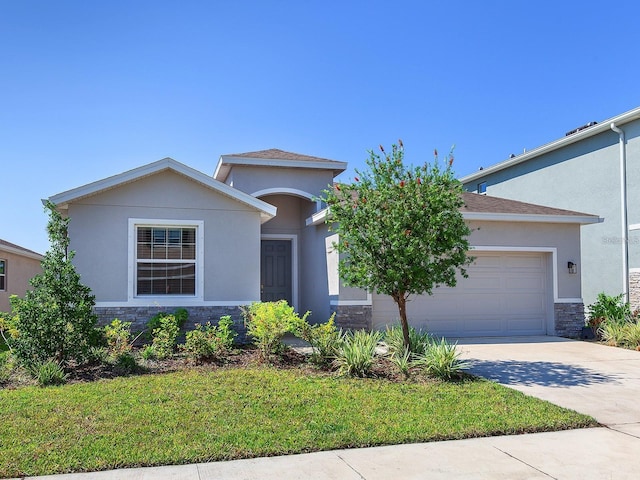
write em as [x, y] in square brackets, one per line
[18, 265]
[164, 236]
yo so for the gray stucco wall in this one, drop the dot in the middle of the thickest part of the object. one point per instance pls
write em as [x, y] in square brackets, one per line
[584, 177]
[99, 234]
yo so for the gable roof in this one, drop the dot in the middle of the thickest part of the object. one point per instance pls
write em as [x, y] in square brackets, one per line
[275, 158]
[483, 207]
[588, 132]
[62, 200]
[18, 250]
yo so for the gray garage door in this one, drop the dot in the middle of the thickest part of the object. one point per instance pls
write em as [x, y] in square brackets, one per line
[506, 294]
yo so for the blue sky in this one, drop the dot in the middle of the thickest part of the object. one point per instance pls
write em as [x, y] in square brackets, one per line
[90, 89]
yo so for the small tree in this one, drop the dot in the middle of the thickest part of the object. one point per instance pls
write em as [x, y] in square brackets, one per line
[400, 228]
[55, 320]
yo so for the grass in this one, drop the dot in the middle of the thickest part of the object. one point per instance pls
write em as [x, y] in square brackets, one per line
[196, 415]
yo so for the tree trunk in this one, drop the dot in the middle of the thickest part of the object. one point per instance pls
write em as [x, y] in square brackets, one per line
[401, 300]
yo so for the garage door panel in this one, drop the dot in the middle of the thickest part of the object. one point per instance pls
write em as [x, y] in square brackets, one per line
[505, 294]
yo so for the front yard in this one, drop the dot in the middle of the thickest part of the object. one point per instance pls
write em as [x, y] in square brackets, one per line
[208, 414]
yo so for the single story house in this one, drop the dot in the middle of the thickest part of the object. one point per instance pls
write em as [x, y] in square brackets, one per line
[164, 235]
[593, 168]
[18, 265]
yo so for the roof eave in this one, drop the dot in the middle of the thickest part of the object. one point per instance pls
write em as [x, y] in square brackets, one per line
[549, 147]
[531, 218]
[229, 160]
[21, 252]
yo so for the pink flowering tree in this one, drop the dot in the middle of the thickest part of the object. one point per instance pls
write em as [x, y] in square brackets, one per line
[400, 228]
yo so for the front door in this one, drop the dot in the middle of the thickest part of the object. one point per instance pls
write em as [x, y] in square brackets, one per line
[275, 271]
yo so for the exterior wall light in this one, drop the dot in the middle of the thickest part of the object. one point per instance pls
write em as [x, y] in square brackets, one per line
[573, 268]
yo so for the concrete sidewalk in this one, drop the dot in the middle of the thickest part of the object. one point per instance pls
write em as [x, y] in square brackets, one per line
[601, 381]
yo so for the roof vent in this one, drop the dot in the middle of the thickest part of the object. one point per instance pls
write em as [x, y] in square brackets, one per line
[576, 130]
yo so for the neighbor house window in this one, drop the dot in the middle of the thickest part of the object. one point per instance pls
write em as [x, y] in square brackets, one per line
[166, 260]
[3, 275]
[482, 187]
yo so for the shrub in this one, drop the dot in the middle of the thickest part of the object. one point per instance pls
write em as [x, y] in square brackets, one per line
[268, 322]
[125, 363]
[48, 373]
[325, 340]
[394, 339]
[180, 314]
[632, 335]
[98, 355]
[165, 336]
[55, 319]
[403, 360]
[209, 341]
[608, 308]
[442, 359]
[357, 351]
[118, 336]
[148, 352]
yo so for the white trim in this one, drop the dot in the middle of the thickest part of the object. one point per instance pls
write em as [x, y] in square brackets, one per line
[283, 190]
[317, 218]
[634, 226]
[521, 217]
[226, 161]
[634, 270]
[62, 200]
[294, 260]
[552, 250]
[175, 302]
[555, 145]
[346, 303]
[132, 298]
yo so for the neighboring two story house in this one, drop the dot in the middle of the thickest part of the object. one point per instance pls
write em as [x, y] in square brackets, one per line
[587, 170]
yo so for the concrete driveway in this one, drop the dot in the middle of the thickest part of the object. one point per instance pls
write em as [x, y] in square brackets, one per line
[601, 381]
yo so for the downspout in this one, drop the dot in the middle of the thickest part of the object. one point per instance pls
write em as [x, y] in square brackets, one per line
[623, 204]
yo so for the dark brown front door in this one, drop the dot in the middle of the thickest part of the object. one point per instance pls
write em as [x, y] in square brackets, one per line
[275, 271]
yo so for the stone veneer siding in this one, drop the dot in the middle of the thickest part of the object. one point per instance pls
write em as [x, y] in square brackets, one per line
[353, 317]
[569, 319]
[634, 290]
[138, 316]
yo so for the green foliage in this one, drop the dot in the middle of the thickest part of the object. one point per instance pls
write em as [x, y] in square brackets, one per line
[394, 338]
[148, 352]
[48, 373]
[118, 336]
[356, 354]
[610, 308]
[125, 363]
[403, 359]
[54, 320]
[181, 315]
[208, 341]
[442, 359]
[6, 365]
[98, 355]
[165, 336]
[325, 340]
[268, 322]
[400, 228]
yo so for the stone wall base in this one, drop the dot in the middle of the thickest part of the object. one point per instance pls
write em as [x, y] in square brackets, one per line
[634, 290]
[353, 317]
[569, 319]
[139, 316]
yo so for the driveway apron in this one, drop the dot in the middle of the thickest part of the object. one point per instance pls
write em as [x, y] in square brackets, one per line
[591, 378]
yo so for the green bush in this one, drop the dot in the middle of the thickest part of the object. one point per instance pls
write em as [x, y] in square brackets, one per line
[180, 315]
[148, 352]
[608, 308]
[394, 339]
[118, 336]
[404, 361]
[125, 363]
[98, 355]
[208, 341]
[325, 340]
[165, 336]
[632, 335]
[356, 354]
[268, 322]
[48, 373]
[442, 359]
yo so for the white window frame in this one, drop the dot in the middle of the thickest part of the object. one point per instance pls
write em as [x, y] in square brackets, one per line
[134, 223]
[4, 260]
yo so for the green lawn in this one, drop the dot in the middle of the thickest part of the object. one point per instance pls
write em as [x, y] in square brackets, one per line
[194, 416]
